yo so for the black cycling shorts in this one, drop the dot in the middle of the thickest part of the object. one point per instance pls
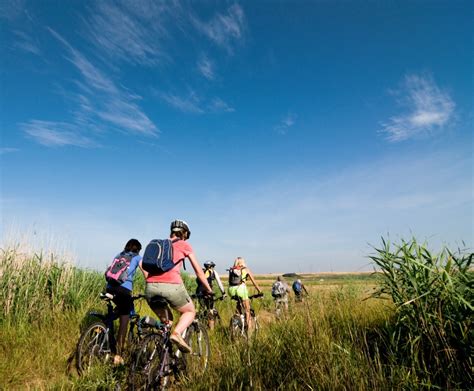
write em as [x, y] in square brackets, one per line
[122, 299]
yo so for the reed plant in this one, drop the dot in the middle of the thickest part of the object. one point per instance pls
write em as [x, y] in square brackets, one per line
[320, 344]
[431, 329]
[36, 287]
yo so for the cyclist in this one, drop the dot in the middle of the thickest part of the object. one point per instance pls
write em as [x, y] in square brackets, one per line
[169, 285]
[208, 302]
[123, 294]
[298, 288]
[238, 275]
[280, 292]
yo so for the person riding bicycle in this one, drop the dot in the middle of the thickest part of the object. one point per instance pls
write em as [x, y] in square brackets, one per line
[280, 292]
[208, 302]
[298, 289]
[239, 273]
[169, 285]
[123, 293]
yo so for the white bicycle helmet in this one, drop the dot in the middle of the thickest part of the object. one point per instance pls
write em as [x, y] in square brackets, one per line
[180, 225]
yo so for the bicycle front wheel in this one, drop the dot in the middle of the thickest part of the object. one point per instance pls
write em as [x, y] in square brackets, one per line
[236, 327]
[148, 369]
[197, 361]
[93, 347]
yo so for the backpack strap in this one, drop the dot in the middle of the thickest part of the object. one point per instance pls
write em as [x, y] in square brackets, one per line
[184, 263]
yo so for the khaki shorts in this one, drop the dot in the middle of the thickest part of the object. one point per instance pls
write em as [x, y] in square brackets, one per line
[176, 294]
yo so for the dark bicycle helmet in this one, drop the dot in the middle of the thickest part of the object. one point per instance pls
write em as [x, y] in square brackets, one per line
[180, 225]
[209, 264]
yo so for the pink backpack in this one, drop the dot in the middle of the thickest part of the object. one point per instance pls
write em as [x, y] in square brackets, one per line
[117, 272]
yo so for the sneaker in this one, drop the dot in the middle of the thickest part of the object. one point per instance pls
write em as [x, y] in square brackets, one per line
[180, 343]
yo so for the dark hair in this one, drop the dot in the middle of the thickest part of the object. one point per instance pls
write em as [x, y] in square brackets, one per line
[183, 235]
[133, 245]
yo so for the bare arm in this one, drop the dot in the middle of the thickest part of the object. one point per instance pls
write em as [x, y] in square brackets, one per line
[199, 273]
[253, 281]
[219, 283]
[145, 273]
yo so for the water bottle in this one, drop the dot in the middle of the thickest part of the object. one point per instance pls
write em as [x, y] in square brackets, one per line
[149, 321]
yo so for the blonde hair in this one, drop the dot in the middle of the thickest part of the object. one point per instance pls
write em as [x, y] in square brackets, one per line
[239, 261]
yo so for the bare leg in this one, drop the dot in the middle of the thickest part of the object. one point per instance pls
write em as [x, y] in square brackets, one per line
[188, 313]
[211, 324]
[248, 320]
[122, 332]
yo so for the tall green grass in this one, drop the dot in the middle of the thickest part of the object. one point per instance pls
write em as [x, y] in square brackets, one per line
[36, 287]
[338, 339]
[431, 331]
[321, 345]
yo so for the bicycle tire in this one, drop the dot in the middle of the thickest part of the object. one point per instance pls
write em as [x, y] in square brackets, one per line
[256, 326]
[197, 361]
[93, 347]
[146, 363]
[236, 327]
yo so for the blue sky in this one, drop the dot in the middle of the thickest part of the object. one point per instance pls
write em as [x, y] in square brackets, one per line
[294, 134]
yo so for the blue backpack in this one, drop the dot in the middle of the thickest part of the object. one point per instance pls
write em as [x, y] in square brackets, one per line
[297, 288]
[158, 256]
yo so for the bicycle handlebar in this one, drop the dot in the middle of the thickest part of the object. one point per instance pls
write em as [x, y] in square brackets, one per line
[109, 296]
[255, 296]
[206, 296]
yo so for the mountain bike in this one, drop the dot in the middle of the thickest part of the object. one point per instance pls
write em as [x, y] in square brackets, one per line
[207, 313]
[97, 342]
[238, 326]
[156, 359]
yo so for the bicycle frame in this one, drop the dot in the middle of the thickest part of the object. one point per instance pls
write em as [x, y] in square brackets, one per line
[206, 309]
[111, 316]
[238, 319]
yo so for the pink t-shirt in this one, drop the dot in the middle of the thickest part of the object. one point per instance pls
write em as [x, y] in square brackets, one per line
[181, 250]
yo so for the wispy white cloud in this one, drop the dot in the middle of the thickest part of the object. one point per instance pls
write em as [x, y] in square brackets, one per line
[206, 67]
[217, 105]
[100, 103]
[25, 42]
[224, 29]
[132, 31]
[12, 9]
[56, 134]
[5, 150]
[93, 77]
[285, 124]
[187, 104]
[127, 115]
[426, 108]
[195, 104]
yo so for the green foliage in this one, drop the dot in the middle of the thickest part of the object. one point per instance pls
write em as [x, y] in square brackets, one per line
[431, 330]
[320, 344]
[337, 339]
[38, 286]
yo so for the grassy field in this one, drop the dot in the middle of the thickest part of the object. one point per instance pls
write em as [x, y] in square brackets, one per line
[407, 327]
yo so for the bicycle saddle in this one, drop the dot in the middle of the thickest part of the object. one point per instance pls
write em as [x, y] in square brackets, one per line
[158, 301]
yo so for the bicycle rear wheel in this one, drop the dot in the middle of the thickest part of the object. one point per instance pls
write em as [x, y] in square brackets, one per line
[93, 347]
[197, 361]
[149, 369]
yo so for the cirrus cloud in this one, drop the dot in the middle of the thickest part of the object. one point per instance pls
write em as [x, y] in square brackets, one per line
[427, 108]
